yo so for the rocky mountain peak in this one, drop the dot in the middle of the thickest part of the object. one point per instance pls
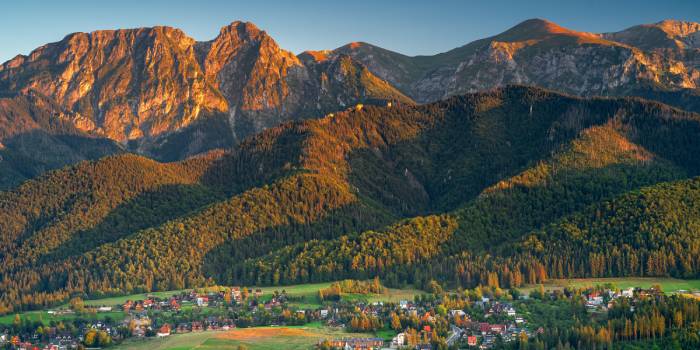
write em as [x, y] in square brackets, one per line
[240, 31]
[679, 28]
[667, 34]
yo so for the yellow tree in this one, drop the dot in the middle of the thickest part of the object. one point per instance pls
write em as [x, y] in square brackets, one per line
[17, 322]
[678, 319]
[395, 322]
[90, 338]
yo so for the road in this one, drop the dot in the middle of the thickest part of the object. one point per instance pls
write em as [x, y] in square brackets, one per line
[454, 335]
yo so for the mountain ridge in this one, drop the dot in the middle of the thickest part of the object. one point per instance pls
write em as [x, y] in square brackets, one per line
[158, 92]
[473, 174]
[541, 53]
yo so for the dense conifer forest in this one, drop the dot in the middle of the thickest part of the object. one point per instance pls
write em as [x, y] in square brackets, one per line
[500, 188]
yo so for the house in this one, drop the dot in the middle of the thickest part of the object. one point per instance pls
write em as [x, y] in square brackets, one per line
[138, 332]
[324, 313]
[629, 292]
[497, 329]
[457, 313]
[182, 328]
[471, 340]
[594, 300]
[398, 341]
[236, 294]
[510, 311]
[128, 305]
[104, 309]
[258, 293]
[163, 331]
[358, 343]
[202, 301]
[25, 346]
[484, 327]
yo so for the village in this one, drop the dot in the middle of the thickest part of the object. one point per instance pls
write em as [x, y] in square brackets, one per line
[484, 319]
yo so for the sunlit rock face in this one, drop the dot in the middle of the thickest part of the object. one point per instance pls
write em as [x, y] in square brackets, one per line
[122, 84]
[665, 55]
[140, 86]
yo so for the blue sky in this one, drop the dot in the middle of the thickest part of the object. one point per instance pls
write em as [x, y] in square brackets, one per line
[410, 27]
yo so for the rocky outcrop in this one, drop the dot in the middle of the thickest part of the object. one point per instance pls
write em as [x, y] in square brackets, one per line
[121, 84]
[158, 92]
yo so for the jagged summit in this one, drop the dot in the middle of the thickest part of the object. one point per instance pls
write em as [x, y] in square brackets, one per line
[678, 28]
[161, 93]
[666, 34]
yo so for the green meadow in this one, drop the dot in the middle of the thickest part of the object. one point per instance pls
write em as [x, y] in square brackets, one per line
[668, 285]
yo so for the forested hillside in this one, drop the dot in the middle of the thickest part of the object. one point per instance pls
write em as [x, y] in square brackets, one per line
[482, 188]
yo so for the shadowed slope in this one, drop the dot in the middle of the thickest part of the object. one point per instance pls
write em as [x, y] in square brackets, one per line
[501, 164]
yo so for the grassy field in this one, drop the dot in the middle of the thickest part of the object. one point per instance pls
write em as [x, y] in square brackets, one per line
[395, 295]
[304, 296]
[668, 285]
[113, 301]
[310, 294]
[46, 318]
[260, 338]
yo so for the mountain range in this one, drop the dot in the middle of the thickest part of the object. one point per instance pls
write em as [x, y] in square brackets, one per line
[179, 163]
[457, 190]
[157, 92]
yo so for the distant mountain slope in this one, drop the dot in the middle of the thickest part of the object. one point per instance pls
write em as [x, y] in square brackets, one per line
[668, 34]
[484, 170]
[661, 56]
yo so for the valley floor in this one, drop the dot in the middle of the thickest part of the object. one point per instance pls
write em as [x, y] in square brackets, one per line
[303, 297]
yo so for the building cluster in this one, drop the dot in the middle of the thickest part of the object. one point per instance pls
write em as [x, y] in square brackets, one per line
[481, 324]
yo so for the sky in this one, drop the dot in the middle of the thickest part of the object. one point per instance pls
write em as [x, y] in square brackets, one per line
[411, 27]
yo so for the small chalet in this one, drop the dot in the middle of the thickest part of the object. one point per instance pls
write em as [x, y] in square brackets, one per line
[163, 331]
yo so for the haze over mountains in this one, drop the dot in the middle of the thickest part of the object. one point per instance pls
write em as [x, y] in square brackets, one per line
[516, 183]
